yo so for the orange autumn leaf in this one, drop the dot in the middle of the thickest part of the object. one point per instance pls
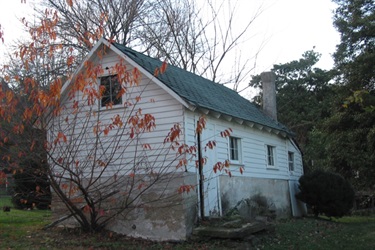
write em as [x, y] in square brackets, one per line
[70, 60]
[9, 96]
[241, 170]
[163, 67]
[106, 131]
[174, 134]
[69, 2]
[136, 75]
[210, 145]
[201, 124]
[87, 209]
[182, 162]
[156, 72]
[60, 136]
[226, 133]
[117, 121]
[185, 189]
[27, 114]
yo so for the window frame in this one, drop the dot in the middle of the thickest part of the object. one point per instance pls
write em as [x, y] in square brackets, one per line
[235, 148]
[291, 161]
[271, 162]
[111, 95]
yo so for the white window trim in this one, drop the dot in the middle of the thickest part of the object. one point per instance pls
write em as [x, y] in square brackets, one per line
[239, 141]
[274, 154]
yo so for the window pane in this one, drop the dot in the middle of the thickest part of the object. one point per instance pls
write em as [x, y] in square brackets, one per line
[234, 148]
[112, 90]
[270, 155]
[291, 161]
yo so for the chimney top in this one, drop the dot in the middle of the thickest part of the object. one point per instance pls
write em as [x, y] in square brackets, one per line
[269, 94]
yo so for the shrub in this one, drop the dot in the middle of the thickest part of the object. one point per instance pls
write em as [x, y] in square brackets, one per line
[31, 189]
[327, 193]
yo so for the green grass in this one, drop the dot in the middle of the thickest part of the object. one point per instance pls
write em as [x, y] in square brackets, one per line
[356, 232]
[22, 229]
[5, 201]
[17, 225]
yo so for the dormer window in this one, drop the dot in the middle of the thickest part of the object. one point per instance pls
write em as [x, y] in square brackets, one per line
[111, 94]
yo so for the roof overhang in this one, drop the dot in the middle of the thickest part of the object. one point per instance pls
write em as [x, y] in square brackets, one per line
[240, 121]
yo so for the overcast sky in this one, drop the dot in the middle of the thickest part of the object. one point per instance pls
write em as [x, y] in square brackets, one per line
[295, 26]
[285, 29]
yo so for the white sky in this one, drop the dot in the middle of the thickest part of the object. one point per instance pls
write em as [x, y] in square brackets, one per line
[292, 27]
[286, 28]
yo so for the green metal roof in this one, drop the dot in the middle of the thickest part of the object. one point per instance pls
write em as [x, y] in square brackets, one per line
[204, 93]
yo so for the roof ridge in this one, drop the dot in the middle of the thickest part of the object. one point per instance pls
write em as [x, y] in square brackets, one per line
[204, 93]
[136, 53]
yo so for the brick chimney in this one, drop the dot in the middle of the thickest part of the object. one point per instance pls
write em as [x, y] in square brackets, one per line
[269, 94]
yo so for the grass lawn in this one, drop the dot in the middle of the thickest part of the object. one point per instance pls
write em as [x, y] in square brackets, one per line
[22, 229]
[17, 225]
[354, 232]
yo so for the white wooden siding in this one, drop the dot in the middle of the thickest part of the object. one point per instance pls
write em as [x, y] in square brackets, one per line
[154, 100]
[254, 151]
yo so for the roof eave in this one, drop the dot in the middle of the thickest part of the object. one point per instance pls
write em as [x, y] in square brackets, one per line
[261, 127]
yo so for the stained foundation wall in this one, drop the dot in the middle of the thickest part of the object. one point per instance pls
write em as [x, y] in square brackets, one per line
[161, 213]
[235, 189]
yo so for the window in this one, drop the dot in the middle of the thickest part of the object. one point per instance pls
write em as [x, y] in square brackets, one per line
[270, 155]
[111, 94]
[234, 149]
[291, 161]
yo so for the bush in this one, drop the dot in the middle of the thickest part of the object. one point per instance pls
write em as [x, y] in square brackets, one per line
[31, 190]
[327, 193]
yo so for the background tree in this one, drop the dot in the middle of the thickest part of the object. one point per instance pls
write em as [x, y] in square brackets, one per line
[350, 130]
[303, 94]
[355, 54]
[332, 112]
[22, 149]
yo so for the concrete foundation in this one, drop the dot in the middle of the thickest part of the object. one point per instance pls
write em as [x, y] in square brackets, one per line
[233, 190]
[161, 213]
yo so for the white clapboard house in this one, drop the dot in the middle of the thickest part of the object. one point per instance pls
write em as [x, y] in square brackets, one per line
[261, 146]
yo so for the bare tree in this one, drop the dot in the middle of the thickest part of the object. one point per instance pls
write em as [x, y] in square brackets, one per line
[102, 165]
[83, 23]
[203, 39]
